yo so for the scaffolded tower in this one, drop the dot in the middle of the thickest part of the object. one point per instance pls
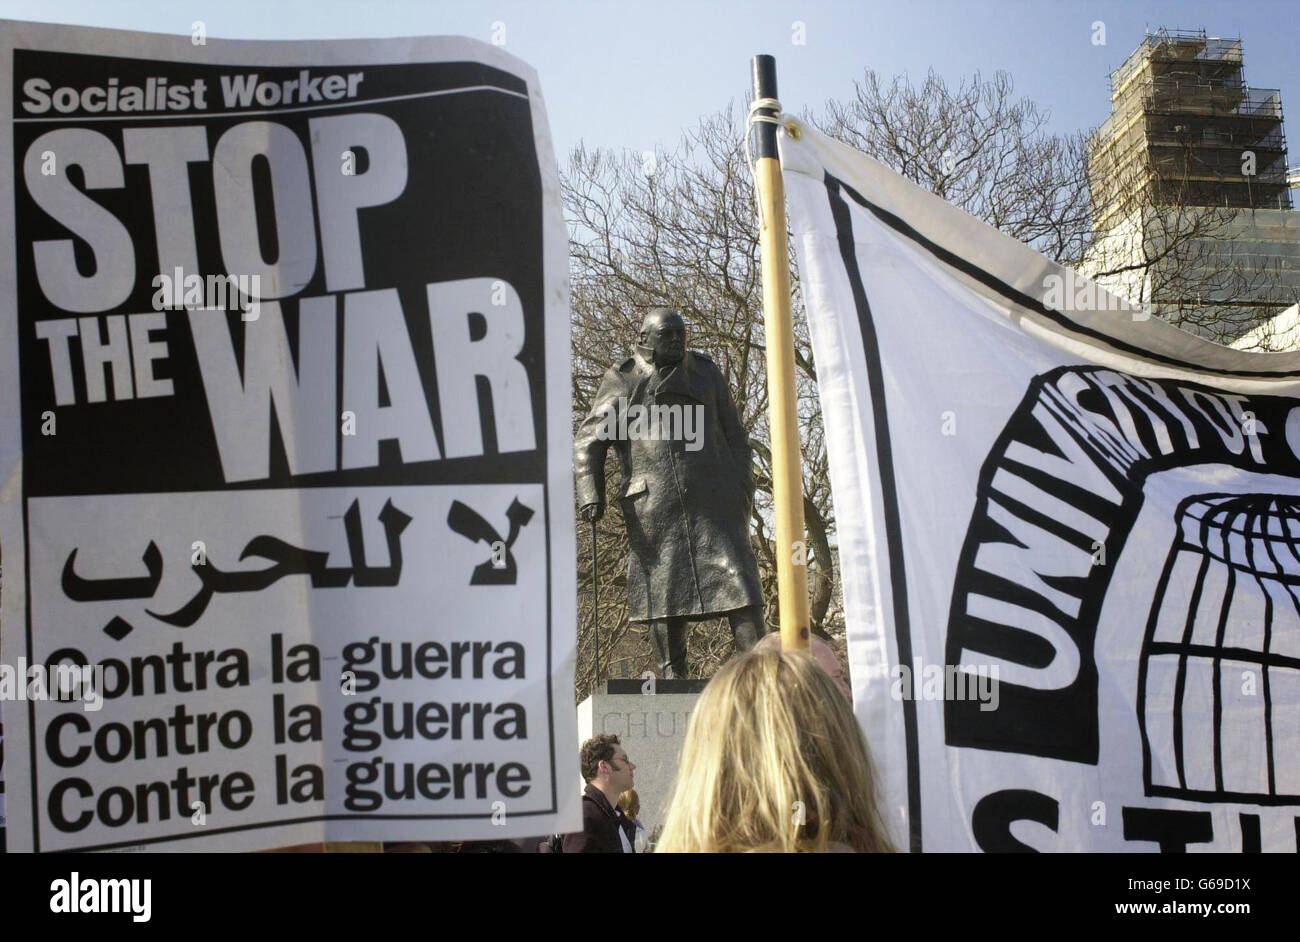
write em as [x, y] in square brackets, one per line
[1185, 124]
[1192, 207]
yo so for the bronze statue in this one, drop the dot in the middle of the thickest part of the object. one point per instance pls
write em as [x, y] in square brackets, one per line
[687, 489]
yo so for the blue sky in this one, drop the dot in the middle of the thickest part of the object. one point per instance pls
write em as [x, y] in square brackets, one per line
[634, 74]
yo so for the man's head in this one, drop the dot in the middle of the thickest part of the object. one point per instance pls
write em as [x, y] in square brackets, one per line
[821, 652]
[663, 335]
[605, 764]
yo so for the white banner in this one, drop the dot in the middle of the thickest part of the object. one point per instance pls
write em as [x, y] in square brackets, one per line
[1069, 535]
[285, 442]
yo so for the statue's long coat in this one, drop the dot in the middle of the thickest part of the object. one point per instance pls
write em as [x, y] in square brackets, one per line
[687, 512]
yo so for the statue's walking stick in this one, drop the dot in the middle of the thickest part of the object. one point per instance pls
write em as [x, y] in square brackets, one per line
[595, 599]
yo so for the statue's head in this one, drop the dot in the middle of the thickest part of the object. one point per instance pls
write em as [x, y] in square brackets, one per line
[663, 336]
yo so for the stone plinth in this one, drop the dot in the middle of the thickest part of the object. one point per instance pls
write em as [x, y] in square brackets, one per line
[651, 727]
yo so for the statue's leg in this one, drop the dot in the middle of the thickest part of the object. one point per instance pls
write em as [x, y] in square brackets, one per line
[677, 628]
[669, 638]
[746, 627]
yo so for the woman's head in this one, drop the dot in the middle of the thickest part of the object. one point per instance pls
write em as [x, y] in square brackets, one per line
[773, 761]
[630, 804]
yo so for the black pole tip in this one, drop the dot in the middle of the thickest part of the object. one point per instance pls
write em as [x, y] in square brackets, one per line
[764, 73]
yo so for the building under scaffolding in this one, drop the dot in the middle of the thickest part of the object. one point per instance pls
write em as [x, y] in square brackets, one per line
[1184, 122]
[1192, 200]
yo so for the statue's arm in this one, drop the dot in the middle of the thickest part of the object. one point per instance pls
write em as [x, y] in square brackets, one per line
[736, 435]
[590, 443]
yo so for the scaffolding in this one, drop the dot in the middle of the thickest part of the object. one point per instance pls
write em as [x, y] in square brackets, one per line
[1186, 129]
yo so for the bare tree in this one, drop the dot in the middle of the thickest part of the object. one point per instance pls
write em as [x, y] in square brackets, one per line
[682, 231]
[980, 148]
[1133, 222]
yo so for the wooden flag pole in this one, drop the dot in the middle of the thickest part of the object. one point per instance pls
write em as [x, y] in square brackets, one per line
[787, 470]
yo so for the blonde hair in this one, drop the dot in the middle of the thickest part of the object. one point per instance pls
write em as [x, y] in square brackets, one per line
[629, 800]
[773, 761]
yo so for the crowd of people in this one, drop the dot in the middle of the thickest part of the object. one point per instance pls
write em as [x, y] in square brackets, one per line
[773, 761]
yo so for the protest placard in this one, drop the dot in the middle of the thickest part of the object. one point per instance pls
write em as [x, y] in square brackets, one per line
[285, 442]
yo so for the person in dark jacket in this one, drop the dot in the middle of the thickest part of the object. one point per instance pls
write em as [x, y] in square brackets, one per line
[608, 773]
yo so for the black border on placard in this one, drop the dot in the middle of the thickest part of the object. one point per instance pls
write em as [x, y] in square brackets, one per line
[1021, 299]
[888, 496]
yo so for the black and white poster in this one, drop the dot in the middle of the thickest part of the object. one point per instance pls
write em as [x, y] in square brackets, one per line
[285, 443]
[1069, 534]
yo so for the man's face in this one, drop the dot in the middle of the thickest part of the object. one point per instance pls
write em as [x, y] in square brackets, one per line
[621, 769]
[667, 337]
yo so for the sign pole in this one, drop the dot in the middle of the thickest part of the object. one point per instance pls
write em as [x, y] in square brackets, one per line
[787, 471]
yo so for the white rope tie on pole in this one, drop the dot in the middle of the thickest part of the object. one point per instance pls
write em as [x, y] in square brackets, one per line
[770, 104]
